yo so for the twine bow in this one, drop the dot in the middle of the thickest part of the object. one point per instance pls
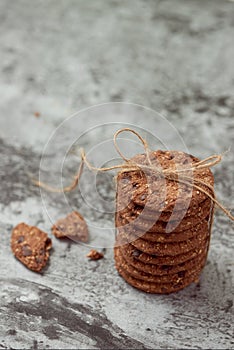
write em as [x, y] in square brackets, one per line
[178, 175]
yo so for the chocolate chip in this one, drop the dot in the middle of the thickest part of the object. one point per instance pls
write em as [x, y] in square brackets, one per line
[138, 207]
[26, 251]
[181, 264]
[166, 267]
[20, 239]
[164, 225]
[181, 273]
[48, 244]
[136, 253]
[42, 251]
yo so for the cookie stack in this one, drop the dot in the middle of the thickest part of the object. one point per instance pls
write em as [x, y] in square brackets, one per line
[163, 226]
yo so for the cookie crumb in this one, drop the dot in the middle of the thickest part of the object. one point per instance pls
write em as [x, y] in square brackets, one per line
[37, 114]
[94, 255]
[31, 246]
[72, 226]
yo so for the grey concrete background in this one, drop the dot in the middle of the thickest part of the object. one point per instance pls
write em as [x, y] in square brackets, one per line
[58, 57]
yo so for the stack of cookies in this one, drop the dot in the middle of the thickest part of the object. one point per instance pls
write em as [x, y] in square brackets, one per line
[163, 226]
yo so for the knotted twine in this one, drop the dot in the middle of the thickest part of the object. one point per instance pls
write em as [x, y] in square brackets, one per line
[129, 165]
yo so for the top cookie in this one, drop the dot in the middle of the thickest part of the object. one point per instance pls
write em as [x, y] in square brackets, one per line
[155, 192]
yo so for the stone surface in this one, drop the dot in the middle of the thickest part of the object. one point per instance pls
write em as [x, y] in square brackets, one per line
[58, 57]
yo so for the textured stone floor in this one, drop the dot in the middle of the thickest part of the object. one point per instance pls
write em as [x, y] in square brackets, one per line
[58, 57]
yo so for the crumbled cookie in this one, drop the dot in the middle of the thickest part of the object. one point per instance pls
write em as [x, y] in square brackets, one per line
[37, 114]
[94, 255]
[73, 226]
[31, 246]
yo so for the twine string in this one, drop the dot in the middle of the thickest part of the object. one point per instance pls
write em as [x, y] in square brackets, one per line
[66, 189]
[178, 175]
[143, 141]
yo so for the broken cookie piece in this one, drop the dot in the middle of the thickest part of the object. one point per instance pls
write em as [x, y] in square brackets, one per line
[31, 246]
[94, 255]
[73, 226]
